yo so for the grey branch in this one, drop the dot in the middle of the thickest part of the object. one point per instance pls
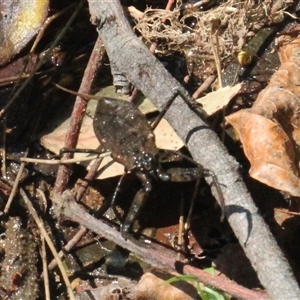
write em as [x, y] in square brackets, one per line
[146, 73]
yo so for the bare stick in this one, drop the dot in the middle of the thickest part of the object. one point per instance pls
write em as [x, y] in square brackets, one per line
[158, 256]
[216, 51]
[45, 269]
[63, 173]
[69, 246]
[89, 176]
[3, 125]
[15, 186]
[62, 161]
[77, 237]
[49, 243]
[204, 86]
[13, 78]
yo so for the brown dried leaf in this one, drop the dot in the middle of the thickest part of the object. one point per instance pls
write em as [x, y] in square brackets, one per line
[153, 287]
[166, 138]
[269, 150]
[270, 130]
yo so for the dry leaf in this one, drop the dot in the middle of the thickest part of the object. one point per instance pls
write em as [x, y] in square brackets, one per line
[217, 100]
[270, 130]
[269, 150]
[155, 288]
[19, 21]
[143, 103]
[166, 138]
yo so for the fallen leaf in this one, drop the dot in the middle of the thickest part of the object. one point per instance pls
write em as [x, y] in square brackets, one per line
[19, 22]
[269, 150]
[217, 100]
[153, 287]
[166, 138]
[143, 103]
[270, 130]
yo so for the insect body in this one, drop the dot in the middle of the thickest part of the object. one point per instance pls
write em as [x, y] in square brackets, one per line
[124, 131]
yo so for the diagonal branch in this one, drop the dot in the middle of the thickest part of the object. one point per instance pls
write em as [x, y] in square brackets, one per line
[156, 255]
[145, 72]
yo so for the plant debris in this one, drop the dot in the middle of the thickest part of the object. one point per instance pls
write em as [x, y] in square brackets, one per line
[193, 32]
[269, 131]
[19, 22]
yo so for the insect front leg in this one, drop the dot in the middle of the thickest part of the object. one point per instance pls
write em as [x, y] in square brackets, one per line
[137, 204]
[79, 150]
[208, 173]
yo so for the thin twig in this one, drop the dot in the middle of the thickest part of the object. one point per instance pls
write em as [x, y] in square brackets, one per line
[47, 22]
[78, 113]
[204, 86]
[45, 269]
[158, 256]
[3, 125]
[155, 44]
[69, 246]
[187, 224]
[49, 243]
[88, 177]
[180, 241]
[63, 160]
[77, 237]
[216, 51]
[285, 211]
[9, 80]
[16, 184]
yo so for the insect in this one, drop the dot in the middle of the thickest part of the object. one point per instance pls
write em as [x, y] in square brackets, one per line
[124, 131]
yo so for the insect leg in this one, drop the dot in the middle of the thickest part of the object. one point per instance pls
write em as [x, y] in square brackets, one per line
[187, 99]
[77, 150]
[137, 204]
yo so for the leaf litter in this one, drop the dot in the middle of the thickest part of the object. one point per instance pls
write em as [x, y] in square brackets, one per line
[166, 138]
[269, 131]
[90, 137]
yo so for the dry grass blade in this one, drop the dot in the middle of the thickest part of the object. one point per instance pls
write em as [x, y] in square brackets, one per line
[49, 243]
[45, 269]
[63, 160]
[15, 186]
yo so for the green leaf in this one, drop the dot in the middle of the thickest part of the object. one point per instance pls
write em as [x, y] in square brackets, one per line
[191, 278]
[205, 293]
